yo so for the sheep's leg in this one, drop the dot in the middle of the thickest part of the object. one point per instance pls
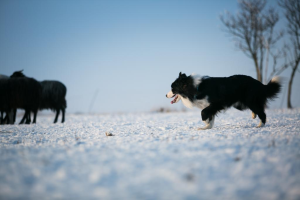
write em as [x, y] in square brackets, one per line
[24, 117]
[34, 116]
[5, 119]
[1, 117]
[28, 118]
[15, 115]
[56, 116]
[10, 117]
[63, 115]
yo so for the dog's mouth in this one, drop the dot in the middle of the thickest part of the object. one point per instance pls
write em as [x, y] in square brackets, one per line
[175, 96]
[175, 99]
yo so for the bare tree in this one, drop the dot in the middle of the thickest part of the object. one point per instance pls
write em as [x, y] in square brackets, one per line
[292, 15]
[253, 31]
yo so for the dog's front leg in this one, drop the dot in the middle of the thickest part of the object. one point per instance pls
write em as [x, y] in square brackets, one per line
[209, 124]
[208, 118]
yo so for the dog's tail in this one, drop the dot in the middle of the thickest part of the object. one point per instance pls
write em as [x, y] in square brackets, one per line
[273, 87]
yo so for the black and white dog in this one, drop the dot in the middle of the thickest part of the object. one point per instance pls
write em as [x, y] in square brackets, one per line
[213, 95]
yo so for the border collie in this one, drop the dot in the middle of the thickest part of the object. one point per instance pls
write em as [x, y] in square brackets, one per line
[214, 94]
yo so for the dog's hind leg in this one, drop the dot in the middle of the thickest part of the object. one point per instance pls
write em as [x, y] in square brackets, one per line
[261, 124]
[261, 114]
[253, 115]
[263, 118]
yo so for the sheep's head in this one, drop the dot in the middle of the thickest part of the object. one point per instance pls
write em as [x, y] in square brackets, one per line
[17, 74]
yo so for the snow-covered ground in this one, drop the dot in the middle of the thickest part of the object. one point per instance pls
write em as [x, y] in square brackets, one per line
[152, 156]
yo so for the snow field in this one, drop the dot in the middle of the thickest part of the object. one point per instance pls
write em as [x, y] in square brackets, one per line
[152, 156]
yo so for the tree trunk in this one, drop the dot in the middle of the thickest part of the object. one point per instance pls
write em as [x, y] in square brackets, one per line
[289, 104]
[258, 74]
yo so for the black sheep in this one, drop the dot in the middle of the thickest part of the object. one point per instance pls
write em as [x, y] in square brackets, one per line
[53, 96]
[21, 93]
[9, 116]
[2, 111]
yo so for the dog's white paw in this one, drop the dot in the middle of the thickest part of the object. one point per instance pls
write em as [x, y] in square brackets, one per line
[209, 126]
[260, 125]
[202, 129]
[253, 115]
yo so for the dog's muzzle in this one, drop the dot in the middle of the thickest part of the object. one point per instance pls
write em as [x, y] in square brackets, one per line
[170, 94]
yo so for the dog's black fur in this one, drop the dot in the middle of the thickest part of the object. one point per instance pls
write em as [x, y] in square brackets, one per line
[240, 91]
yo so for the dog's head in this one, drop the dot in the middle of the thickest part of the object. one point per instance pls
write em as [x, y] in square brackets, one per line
[181, 88]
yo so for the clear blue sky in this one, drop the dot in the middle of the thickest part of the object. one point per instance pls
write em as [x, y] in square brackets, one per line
[128, 51]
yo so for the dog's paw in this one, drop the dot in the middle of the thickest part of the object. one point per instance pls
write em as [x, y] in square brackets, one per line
[253, 115]
[204, 128]
[260, 125]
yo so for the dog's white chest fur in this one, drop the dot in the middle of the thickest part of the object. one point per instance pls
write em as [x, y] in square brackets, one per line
[202, 103]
